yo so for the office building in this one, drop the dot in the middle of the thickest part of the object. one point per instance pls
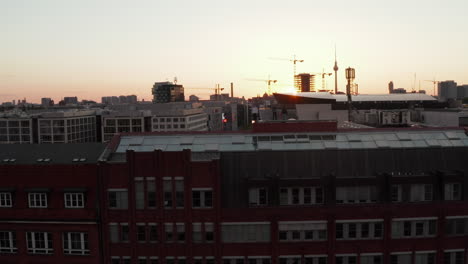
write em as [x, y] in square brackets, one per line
[165, 92]
[447, 90]
[114, 122]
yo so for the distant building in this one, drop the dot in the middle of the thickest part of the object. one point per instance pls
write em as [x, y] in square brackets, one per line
[46, 102]
[304, 82]
[48, 127]
[114, 122]
[390, 87]
[462, 91]
[70, 100]
[399, 91]
[194, 98]
[447, 90]
[219, 97]
[165, 92]
[110, 100]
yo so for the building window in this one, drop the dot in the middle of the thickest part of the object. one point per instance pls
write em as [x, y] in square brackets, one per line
[258, 196]
[139, 194]
[371, 259]
[456, 256]
[301, 195]
[8, 242]
[351, 259]
[259, 260]
[202, 198]
[151, 193]
[233, 260]
[456, 226]
[421, 192]
[153, 260]
[5, 199]
[169, 232]
[74, 200]
[289, 260]
[356, 194]
[315, 259]
[167, 188]
[202, 232]
[180, 227]
[302, 231]
[452, 191]
[179, 191]
[153, 232]
[124, 232]
[75, 243]
[359, 230]
[396, 193]
[414, 228]
[39, 243]
[425, 258]
[400, 258]
[141, 232]
[37, 200]
[245, 232]
[118, 198]
[142, 260]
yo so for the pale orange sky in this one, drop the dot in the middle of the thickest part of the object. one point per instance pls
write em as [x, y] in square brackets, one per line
[91, 49]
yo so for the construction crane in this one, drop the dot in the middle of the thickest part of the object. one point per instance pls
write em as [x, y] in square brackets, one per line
[323, 74]
[434, 82]
[217, 89]
[293, 60]
[269, 81]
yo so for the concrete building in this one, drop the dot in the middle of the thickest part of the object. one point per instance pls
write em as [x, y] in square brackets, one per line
[67, 127]
[462, 92]
[16, 127]
[390, 87]
[447, 90]
[114, 122]
[165, 92]
[47, 102]
[70, 100]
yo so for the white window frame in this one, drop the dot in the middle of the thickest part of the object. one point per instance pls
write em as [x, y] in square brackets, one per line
[254, 196]
[399, 232]
[48, 249]
[202, 192]
[121, 204]
[371, 232]
[74, 199]
[418, 192]
[37, 200]
[313, 195]
[11, 241]
[302, 227]
[352, 194]
[5, 199]
[399, 188]
[453, 253]
[67, 247]
[449, 194]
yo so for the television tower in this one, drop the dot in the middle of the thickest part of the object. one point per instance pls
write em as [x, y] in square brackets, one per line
[335, 68]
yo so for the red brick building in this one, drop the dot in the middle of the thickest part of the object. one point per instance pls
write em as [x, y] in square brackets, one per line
[265, 197]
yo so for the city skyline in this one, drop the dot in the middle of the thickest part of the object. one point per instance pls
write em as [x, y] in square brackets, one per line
[88, 49]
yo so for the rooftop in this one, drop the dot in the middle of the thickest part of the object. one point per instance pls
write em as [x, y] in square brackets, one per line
[70, 153]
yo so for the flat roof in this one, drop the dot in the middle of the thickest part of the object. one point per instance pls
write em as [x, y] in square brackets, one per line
[43, 154]
[289, 141]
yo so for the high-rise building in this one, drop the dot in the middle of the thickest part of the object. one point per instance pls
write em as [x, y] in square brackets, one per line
[70, 100]
[46, 102]
[165, 92]
[304, 82]
[447, 90]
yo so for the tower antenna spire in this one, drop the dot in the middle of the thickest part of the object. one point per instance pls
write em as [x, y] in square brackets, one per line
[335, 68]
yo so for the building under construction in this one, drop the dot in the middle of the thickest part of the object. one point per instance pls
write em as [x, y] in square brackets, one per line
[304, 82]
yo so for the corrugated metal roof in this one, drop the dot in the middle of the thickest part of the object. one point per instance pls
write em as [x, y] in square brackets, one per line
[295, 141]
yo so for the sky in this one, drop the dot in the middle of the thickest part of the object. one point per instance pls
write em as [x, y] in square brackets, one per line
[90, 49]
